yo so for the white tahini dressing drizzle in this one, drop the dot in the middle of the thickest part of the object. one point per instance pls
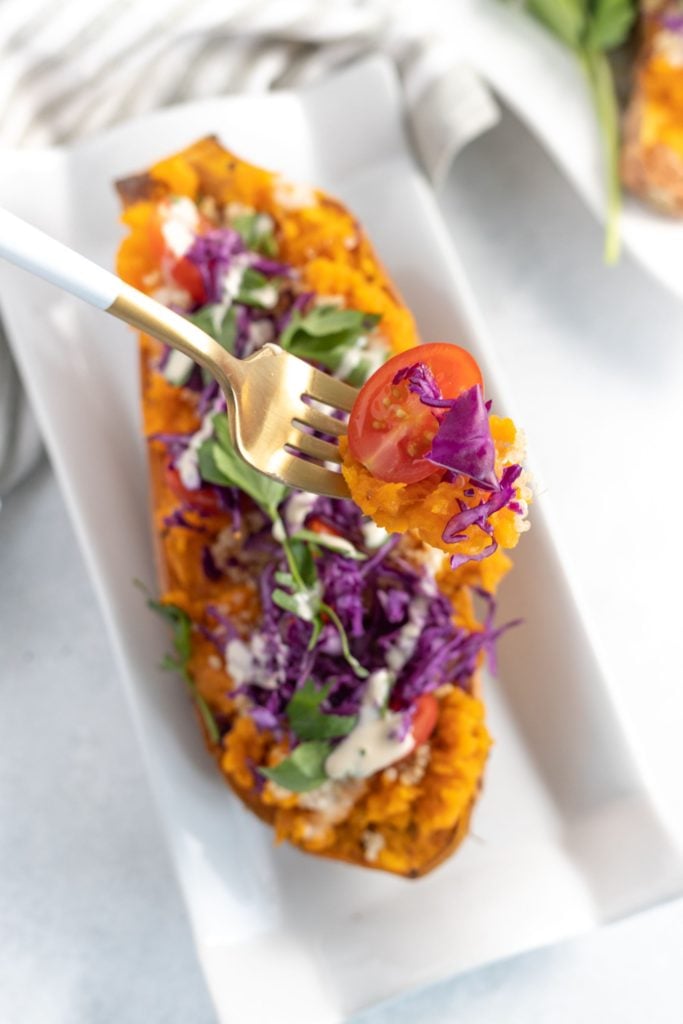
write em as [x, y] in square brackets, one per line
[188, 463]
[374, 535]
[180, 220]
[297, 508]
[373, 744]
[178, 368]
[247, 663]
[306, 603]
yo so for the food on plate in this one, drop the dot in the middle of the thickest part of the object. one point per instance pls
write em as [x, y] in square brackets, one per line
[640, 119]
[652, 153]
[335, 667]
[424, 454]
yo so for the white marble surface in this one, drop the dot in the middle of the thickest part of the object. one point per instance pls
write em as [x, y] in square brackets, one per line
[92, 928]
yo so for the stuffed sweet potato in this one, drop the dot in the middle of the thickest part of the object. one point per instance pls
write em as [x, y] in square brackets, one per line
[652, 149]
[334, 667]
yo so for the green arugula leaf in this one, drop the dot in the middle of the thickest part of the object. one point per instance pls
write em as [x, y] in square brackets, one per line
[178, 662]
[286, 601]
[256, 289]
[308, 722]
[360, 373]
[208, 470]
[326, 333]
[237, 473]
[182, 628]
[257, 231]
[303, 559]
[339, 544]
[303, 770]
[609, 23]
[219, 323]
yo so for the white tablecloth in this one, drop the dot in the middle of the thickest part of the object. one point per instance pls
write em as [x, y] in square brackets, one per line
[92, 929]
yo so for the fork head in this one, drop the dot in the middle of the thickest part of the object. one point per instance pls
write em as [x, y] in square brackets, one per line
[277, 420]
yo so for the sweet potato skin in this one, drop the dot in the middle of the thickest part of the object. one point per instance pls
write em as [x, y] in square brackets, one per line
[422, 815]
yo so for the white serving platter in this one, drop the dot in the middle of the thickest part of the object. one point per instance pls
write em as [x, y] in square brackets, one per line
[281, 936]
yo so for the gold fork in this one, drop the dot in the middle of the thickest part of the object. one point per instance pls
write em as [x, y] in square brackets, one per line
[273, 397]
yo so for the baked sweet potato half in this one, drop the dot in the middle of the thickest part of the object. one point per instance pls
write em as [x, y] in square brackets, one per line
[652, 148]
[334, 667]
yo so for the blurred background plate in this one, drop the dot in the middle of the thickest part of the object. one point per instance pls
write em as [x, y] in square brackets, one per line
[542, 82]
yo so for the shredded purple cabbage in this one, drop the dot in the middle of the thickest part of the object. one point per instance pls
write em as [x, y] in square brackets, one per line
[479, 514]
[212, 254]
[463, 442]
[209, 567]
[422, 382]
[375, 600]
[177, 518]
[672, 22]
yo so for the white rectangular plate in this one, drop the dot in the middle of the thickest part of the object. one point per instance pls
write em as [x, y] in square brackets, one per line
[281, 936]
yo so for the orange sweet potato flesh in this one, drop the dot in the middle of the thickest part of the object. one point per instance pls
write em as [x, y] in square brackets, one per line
[652, 150]
[420, 812]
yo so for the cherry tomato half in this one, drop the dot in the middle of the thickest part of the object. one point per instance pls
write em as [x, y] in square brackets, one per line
[318, 526]
[187, 276]
[204, 500]
[390, 429]
[424, 719]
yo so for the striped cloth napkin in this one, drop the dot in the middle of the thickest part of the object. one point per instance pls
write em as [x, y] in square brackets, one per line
[70, 69]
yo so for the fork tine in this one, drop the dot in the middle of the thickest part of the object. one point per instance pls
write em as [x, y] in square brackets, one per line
[330, 391]
[321, 421]
[315, 447]
[309, 477]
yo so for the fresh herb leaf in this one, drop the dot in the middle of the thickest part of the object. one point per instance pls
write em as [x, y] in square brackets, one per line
[235, 472]
[360, 373]
[257, 290]
[326, 333]
[307, 720]
[257, 231]
[218, 322]
[609, 23]
[339, 544]
[303, 558]
[286, 601]
[303, 770]
[208, 470]
[178, 662]
[182, 629]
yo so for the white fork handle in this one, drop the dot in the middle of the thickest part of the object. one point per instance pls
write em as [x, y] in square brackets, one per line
[33, 250]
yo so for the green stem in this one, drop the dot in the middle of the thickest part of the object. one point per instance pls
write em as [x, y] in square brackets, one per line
[599, 74]
[361, 672]
[291, 561]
